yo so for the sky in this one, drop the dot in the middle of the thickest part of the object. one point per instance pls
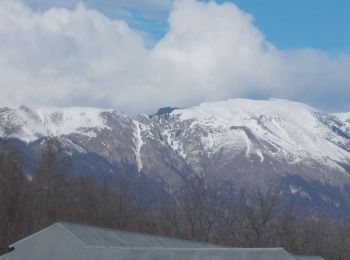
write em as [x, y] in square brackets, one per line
[138, 56]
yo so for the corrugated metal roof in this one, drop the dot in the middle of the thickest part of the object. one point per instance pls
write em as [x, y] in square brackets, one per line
[65, 241]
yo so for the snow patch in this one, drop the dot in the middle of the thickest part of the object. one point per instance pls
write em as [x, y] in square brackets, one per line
[248, 144]
[175, 145]
[259, 153]
[297, 190]
[33, 123]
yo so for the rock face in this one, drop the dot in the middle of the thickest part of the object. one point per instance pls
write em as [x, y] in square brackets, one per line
[273, 143]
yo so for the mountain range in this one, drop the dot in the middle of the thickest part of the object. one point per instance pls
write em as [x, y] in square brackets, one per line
[302, 152]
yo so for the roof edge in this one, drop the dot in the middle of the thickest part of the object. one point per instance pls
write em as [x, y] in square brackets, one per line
[33, 235]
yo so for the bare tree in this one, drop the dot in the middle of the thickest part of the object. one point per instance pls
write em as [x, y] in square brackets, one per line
[50, 187]
[12, 183]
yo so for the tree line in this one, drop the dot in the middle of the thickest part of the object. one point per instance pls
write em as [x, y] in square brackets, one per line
[199, 210]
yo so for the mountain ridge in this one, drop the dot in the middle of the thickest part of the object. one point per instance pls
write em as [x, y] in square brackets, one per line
[249, 143]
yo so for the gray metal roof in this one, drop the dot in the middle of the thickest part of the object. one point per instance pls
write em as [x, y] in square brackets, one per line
[104, 237]
[65, 241]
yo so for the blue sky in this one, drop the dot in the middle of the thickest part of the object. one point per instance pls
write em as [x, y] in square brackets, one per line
[290, 24]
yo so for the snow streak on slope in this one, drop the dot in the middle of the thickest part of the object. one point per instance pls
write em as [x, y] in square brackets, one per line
[138, 144]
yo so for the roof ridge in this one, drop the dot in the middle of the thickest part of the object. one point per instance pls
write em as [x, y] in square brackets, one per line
[61, 224]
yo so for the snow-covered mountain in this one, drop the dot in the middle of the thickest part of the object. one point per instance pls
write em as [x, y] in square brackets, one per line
[250, 143]
[252, 137]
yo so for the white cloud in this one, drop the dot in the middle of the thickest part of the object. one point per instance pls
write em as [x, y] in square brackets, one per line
[211, 52]
[66, 57]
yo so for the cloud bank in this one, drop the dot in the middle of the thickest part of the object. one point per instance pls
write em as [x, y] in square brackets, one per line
[80, 57]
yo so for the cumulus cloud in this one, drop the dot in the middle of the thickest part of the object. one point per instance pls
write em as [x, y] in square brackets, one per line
[212, 51]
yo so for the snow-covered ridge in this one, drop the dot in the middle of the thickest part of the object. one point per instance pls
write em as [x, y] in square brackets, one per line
[281, 129]
[242, 109]
[29, 123]
[293, 129]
